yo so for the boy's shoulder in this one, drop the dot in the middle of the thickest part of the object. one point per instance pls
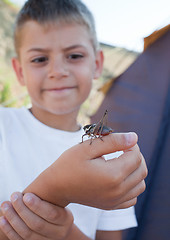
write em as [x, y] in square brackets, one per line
[7, 114]
[5, 111]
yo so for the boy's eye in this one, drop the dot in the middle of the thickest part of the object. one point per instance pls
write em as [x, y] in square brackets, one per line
[75, 56]
[39, 60]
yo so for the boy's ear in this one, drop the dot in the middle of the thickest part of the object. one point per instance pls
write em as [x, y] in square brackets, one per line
[99, 64]
[18, 70]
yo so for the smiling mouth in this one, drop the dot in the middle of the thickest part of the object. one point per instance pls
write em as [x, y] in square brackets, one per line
[59, 91]
[58, 88]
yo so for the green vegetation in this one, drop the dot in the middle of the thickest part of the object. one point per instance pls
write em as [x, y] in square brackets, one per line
[9, 3]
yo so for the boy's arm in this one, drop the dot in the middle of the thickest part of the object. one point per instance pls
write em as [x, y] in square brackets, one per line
[109, 235]
[114, 184]
[81, 175]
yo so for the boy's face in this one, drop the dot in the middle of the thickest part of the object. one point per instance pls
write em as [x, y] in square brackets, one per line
[57, 64]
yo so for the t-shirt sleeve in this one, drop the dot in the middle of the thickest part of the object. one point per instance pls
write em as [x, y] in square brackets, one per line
[114, 220]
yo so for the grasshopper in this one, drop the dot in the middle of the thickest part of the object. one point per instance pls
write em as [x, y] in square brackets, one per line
[97, 130]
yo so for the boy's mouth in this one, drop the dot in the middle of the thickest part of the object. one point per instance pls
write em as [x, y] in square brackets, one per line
[59, 90]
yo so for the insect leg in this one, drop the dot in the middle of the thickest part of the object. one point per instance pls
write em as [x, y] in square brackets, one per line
[83, 136]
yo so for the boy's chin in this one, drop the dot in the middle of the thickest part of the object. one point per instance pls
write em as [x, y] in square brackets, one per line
[54, 110]
[64, 111]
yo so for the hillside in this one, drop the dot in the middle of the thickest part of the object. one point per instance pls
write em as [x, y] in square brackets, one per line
[11, 94]
[7, 18]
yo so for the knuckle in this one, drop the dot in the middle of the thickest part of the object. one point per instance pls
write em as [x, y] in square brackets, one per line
[139, 156]
[38, 225]
[70, 218]
[53, 215]
[118, 193]
[115, 185]
[118, 178]
[61, 234]
[117, 139]
[144, 170]
[133, 202]
[112, 139]
[123, 139]
[27, 235]
[145, 173]
[115, 177]
[141, 188]
[127, 204]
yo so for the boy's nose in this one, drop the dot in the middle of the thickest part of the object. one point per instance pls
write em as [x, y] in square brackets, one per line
[57, 70]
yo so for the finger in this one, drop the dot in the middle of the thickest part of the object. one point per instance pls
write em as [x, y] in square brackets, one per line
[15, 221]
[51, 213]
[134, 193]
[8, 230]
[137, 177]
[111, 143]
[134, 184]
[127, 204]
[123, 166]
[33, 221]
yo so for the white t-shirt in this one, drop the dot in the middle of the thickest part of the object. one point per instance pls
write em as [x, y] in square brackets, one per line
[28, 147]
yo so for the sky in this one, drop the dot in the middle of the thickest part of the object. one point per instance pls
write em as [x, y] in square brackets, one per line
[124, 23]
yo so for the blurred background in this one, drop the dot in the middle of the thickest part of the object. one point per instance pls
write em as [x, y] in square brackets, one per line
[134, 88]
[121, 27]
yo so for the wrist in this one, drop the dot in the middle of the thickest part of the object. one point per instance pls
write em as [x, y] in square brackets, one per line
[49, 187]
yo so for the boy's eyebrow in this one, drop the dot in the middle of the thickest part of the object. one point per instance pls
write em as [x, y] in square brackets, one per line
[47, 50]
[37, 50]
[74, 46]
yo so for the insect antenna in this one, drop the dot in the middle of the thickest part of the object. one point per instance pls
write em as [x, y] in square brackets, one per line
[101, 123]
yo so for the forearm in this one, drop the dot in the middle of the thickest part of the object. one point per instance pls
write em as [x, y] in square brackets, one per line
[49, 187]
[76, 178]
[76, 234]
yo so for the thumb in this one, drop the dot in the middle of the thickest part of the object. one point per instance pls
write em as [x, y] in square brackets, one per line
[111, 143]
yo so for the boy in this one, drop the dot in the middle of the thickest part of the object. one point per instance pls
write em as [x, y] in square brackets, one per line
[58, 56]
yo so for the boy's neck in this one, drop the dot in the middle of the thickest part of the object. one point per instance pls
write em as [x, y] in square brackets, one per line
[65, 122]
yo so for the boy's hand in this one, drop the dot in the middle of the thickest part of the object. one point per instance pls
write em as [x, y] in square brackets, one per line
[81, 175]
[29, 217]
